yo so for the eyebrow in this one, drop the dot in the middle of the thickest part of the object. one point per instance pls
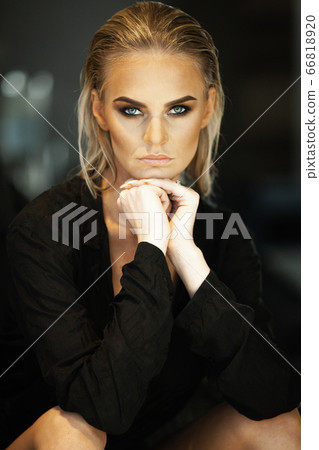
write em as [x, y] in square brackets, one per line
[141, 105]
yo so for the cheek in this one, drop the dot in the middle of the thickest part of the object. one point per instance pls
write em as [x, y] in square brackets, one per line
[122, 135]
[189, 134]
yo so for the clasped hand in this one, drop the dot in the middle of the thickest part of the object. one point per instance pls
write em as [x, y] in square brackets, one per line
[170, 210]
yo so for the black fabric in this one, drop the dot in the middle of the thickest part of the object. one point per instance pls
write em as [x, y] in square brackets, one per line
[129, 363]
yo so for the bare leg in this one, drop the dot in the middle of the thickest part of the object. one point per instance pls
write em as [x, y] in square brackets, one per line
[58, 429]
[223, 428]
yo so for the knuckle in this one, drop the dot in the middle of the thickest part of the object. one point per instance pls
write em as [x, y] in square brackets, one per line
[144, 188]
[131, 191]
[196, 196]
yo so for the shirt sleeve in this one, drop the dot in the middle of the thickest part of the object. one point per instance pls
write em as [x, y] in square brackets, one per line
[105, 380]
[242, 359]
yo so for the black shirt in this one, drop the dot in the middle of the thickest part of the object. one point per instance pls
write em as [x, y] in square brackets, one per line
[133, 360]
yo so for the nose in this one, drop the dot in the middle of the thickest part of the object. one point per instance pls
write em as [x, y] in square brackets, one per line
[155, 133]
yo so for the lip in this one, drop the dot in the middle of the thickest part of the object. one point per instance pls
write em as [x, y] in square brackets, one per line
[156, 161]
[154, 156]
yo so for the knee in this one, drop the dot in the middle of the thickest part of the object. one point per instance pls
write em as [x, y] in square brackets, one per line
[288, 423]
[66, 430]
[268, 433]
[282, 429]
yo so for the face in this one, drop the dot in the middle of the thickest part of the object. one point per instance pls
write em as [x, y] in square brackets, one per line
[154, 108]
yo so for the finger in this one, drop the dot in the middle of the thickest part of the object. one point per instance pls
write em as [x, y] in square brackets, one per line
[175, 191]
[164, 199]
[167, 206]
[134, 181]
[162, 196]
[130, 182]
[171, 187]
[165, 183]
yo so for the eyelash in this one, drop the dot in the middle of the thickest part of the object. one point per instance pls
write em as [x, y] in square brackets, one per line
[123, 111]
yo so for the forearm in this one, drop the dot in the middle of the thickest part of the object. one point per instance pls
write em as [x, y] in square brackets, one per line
[190, 265]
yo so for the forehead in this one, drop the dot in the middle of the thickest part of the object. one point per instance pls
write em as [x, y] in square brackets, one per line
[143, 75]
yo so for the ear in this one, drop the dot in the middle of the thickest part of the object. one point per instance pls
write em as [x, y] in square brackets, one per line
[210, 107]
[97, 110]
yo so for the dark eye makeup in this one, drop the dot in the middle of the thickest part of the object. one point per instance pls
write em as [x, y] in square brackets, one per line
[180, 110]
[132, 111]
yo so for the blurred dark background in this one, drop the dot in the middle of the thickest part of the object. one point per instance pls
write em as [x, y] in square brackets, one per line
[43, 46]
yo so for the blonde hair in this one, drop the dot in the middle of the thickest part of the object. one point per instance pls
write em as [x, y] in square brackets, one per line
[140, 27]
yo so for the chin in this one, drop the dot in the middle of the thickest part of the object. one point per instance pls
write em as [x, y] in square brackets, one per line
[153, 172]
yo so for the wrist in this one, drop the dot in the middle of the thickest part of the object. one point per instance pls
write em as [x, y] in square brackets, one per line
[187, 248]
[190, 265]
[188, 259]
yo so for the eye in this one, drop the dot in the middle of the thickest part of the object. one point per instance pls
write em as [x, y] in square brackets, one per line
[130, 111]
[179, 110]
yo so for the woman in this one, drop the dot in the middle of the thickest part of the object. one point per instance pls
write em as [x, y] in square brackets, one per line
[126, 327]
